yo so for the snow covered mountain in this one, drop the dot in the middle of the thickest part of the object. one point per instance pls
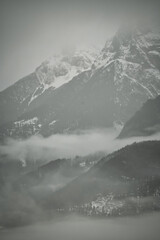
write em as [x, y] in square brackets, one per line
[61, 68]
[132, 56]
[51, 74]
[82, 90]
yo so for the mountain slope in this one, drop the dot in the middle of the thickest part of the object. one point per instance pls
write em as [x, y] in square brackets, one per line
[145, 122]
[136, 70]
[49, 76]
[13, 99]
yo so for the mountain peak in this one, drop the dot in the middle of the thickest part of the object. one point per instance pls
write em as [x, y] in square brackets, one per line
[62, 67]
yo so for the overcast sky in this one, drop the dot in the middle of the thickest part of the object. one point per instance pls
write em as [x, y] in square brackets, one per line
[32, 30]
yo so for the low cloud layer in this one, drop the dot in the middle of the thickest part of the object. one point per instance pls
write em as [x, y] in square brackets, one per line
[75, 227]
[68, 146]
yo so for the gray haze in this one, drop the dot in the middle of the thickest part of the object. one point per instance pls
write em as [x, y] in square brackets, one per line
[145, 227]
[68, 146]
[33, 30]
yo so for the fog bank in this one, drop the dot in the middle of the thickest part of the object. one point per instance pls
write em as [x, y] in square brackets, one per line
[144, 227]
[68, 146]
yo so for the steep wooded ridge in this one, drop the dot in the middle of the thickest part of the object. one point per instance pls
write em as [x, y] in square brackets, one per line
[145, 122]
[124, 182]
[85, 89]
